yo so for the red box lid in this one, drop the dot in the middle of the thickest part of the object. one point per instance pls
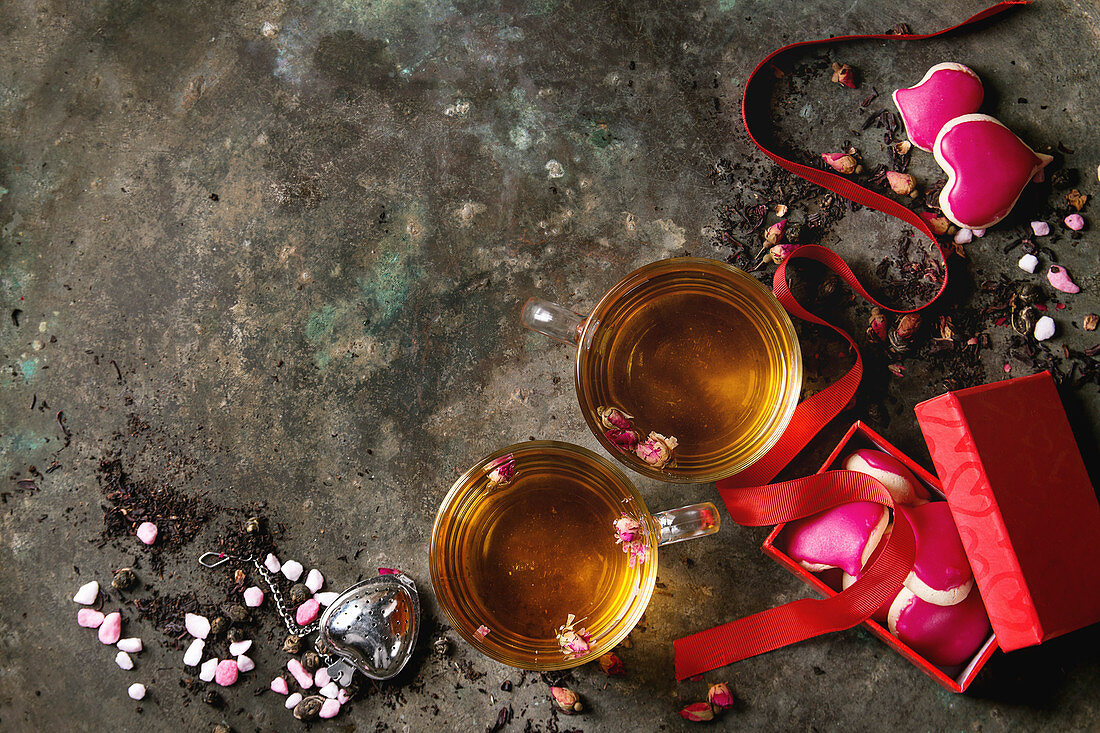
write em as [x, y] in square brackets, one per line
[1025, 508]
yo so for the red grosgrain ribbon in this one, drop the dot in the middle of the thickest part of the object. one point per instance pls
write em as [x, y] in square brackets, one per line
[753, 504]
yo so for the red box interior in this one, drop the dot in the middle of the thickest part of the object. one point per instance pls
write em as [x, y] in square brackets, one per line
[955, 679]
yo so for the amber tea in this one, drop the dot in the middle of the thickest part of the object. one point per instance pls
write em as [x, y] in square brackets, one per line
[513, 558]
[695, 351]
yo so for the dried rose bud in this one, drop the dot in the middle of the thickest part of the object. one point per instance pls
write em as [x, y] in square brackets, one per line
[844, 75]
[1091, 321]
[897, 370]
[902, 184]
[482, 631]
[946, 327]
[1076, 199]
[627, 528]
[842, 163]
[902, 147]
[614, 418]
[657, 449]
[908, 326]
[502, 470]
[973, 342]
[780, 252]
[698, 712]
[573, 642]
[624, 440]
[774, 233]
[780, 209]
[611, 664]
[566, 700]
[938, 223]
[638, 551]
[719, 695]
[876, 325]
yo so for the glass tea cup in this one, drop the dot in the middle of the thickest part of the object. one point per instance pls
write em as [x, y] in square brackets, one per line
[543, 556]
[687, 370]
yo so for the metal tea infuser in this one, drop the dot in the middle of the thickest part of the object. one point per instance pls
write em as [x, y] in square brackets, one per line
[370, 627]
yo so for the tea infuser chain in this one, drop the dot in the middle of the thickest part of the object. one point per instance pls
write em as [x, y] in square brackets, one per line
[214, 559]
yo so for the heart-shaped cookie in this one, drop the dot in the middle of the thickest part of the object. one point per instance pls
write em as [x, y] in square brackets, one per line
[946, 91]
[987, 168]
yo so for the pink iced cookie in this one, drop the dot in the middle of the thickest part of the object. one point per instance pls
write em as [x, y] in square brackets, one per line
[941, 573]
[843, 537]
[987, 168]
[946, 91]
[892, 473]
[944, 635]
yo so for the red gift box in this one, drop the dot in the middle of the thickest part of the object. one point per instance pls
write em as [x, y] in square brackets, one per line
[1002, 466]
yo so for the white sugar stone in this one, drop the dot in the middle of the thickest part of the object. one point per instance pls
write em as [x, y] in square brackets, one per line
[122, 659]
[245, 664]
[253, 597]
[292, 569]
[272, 563]
[326, 598]
[293, 700]
[193, 655]
[133, 644]
[320, 677]
[1044, 328]
[87, 594]
[1028, 263]
[208, 669]
[330, 690]
[196, 625]
[964, 236]
[136, 691]
[237, 648]
[314, 580]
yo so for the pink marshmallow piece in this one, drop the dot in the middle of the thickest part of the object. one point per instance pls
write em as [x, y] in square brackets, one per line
[1040, 228]
[253, 597]
[946, 91]
[279, 685]
[196, 625]
[314, 580]
[301, 676]
[307, 612]
[147, 532]
[1076, 222]
[89, 618]
[226, 672]
[329, 709]
[111, 629]
[1059, 278]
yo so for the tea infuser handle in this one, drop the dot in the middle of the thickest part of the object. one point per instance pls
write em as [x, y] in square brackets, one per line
[553, 320]
[687, 522]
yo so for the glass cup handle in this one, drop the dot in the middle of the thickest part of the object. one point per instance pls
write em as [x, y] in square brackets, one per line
[553, 320]
[687, 522]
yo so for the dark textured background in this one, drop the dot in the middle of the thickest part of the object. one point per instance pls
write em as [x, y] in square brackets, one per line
[306, 255]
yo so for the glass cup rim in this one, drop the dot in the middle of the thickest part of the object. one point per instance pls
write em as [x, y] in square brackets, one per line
[464, 484]
[646, 272]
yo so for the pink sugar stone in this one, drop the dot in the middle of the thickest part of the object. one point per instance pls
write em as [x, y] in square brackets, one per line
[279, 685]
[1059, 278]
[226, 673]
[307, 612]
[1076, 222]
[253, 596]
[301, 676]
[329, 709]
[110, 631]
[88, 618]
[147, 532]
[1040, 228]
[342, 696]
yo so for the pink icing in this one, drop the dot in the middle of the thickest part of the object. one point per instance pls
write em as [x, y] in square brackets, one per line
[836, 537]
[903, 485]
[944, 635]
[940, 561]
[946, 91]
[987, 168]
